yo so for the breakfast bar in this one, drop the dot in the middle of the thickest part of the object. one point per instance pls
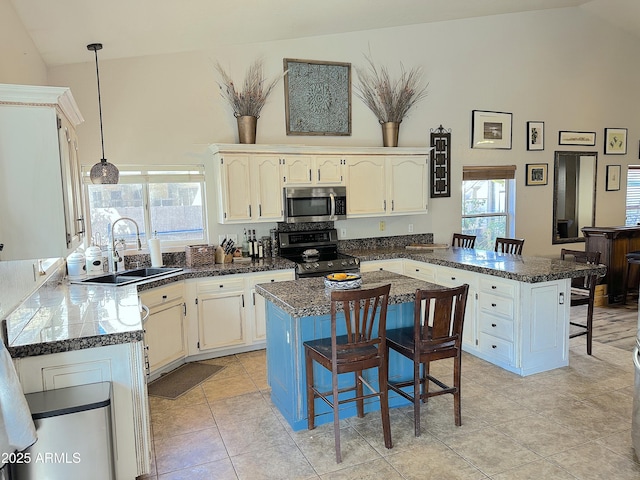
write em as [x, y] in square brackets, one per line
[517, 317]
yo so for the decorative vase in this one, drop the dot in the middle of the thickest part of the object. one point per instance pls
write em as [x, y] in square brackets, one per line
[247, 125]
[390, 132]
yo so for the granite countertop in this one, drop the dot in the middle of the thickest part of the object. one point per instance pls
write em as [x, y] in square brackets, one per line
[307, 297]
[521, 268]
[61, 316]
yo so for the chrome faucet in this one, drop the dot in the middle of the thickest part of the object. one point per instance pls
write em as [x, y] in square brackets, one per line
[114, 253]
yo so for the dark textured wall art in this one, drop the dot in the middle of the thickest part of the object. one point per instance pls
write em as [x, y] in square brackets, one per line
[317, 97]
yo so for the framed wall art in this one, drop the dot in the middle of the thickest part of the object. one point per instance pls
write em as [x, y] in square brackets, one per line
[317, 97]
[440, 142]
[576, 138]
[537, 174]
[615, 141]
[491, 129]
[535, 135]
[613, 178]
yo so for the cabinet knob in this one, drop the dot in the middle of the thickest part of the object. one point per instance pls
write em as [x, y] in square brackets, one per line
[164, 297]
[493, 325]
[493, 304]
[493, 287]
[494, 346]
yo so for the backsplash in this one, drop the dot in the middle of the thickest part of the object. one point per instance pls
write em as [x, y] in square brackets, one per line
[384, 242]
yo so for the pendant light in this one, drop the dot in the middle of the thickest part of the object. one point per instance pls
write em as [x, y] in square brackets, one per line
[102, 172]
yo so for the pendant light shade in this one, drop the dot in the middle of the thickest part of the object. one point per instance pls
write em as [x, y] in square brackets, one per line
[103, 171]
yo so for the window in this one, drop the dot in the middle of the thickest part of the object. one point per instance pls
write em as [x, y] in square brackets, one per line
[633, 196]
[168, 201]
[488, 203]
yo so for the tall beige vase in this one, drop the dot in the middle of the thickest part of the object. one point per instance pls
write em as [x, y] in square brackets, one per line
[390, 132]
[247, 125]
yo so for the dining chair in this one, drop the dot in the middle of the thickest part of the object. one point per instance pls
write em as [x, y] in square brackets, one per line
[436, 334]
[633, 258]
[362, 314]
[509, 245]
[583, 291]
[464, 241]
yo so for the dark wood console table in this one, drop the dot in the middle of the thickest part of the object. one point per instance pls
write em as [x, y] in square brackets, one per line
[614, 243]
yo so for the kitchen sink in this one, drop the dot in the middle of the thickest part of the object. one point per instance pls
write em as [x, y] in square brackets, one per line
[127, 277]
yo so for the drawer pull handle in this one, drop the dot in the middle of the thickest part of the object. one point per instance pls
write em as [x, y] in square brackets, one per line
[493, 304]
[164, 297]
[453, 278]
[493, 287]
[493, 325]
[494, 346]
[221, 286]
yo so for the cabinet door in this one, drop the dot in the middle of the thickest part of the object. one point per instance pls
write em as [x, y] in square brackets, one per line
[329, 170]
[235, 189]
[366, 186]
[407, 185]
[452, 277]
[297, 170]
[256, 311]
[221, 317]
[267, 188]
[71, 184]
[164, 335]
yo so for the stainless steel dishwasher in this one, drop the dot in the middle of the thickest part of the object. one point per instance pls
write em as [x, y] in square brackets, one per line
[73, 425]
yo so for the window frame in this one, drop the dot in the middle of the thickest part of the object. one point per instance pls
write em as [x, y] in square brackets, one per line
[144, 176]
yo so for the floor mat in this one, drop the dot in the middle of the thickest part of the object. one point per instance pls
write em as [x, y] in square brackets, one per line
[182, 379]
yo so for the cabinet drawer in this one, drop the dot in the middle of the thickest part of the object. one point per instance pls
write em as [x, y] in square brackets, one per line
[494, 347]
[497, 327]
[420, 270]
[158, 296]
[497, 287]
[220, 285]
[453, 277]
[496, 305]
[276, 276]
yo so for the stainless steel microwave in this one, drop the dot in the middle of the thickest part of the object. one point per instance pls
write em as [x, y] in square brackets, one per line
[314, 204]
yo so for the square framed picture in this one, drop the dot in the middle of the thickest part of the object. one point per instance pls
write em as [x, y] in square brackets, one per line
[317, 97]
[491, 129]
[537, 174]
[613, 178]
[535, 135]
[615, 141]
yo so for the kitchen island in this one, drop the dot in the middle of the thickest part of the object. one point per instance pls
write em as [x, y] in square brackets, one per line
[517, 316]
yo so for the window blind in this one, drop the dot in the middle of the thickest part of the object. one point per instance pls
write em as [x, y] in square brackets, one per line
[491, 172]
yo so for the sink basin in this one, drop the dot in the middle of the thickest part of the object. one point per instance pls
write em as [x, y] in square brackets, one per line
[127, 277]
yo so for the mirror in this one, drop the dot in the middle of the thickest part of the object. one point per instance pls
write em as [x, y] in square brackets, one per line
[574, 195]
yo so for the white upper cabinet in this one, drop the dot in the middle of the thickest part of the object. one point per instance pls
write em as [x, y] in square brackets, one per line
[299, 170]
[250, 188]
[40, 187]
[379, 181]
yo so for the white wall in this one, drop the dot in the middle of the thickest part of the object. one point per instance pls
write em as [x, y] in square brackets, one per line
[562, 67]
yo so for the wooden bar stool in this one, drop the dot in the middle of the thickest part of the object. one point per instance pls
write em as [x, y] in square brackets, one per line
[633, 258]
[464, 241]
[435, 335]
[509, 245]
[362, 347]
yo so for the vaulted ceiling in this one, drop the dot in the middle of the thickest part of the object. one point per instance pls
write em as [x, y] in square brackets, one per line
[61, 29]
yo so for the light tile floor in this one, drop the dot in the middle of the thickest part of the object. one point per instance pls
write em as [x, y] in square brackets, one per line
[570, 423]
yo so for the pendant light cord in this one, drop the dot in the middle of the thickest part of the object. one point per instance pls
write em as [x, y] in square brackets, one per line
[99, 106]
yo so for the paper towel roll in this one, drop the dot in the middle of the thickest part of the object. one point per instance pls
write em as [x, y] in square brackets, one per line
[156, 253]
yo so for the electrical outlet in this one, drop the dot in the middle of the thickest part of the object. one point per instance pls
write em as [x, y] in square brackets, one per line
[382, 226]
[343, 233]
[411, 228]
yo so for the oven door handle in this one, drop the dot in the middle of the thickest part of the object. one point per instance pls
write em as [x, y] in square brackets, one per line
[332, 197]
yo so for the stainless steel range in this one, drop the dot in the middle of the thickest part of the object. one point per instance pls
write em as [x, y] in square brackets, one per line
[315, 253]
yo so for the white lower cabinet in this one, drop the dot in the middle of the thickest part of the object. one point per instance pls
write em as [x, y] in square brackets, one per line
[221, 318]
[120, 364]
[521, 327]
[256, 308]
[165, 334]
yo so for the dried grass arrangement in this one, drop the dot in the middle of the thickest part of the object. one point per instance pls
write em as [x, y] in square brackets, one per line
[255, 90]
[389, 99]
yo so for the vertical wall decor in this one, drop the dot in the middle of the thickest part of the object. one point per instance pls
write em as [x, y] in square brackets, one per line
[440, 162]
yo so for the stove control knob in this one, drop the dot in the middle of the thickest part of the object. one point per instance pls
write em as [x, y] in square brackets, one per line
[329, 264]
[344, 263]
[316, 265]
[307, 266]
